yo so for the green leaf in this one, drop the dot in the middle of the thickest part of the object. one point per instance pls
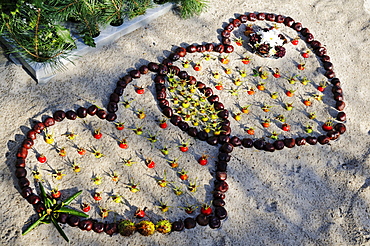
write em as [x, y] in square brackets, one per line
[43, 193]
[60, 230]
[88, 40]
[71, 211]
[64, 34]
[36, 223]
[71, 198]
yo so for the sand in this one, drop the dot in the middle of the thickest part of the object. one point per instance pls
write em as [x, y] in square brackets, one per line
[311, 195]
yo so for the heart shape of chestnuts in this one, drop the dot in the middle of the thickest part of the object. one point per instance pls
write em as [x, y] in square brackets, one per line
[281, 104]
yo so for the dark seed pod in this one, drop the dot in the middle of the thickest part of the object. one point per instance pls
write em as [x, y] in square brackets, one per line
[218, 195]
[152, 66]
[202, 135]
[181, 51]
[297, 26]
[300, 141]
[235, 141]
[221, 186]
[227, 148]
[112, 107]
[183, 75]
[243, 18]
[161, 95]
[279, 19]
[311, 140]
[221, 175]
[333, 135]
[341, 116]
[335, 82]
[279, 144]
[340, 127]
[27, 143]
[26, 192]
[159, 79]
[114, 97]
[126, 79]
[22, 153]
[209, 47]
[174, 70]
[321, 52]
[219, 48]
[315, 44]
[236, 22]
[92, 110]
[261, 16]
[71, 115]
[224, 114]
[208, 92]
[252, 17]
[189, 223]
[329, 74]
[192, 80]
[160, 88]
[175, 120]
[163, 103]
[201, 85]
[20, 172]
[23, 183]
[224, 157]
[213, 99]
[111, 117]
[201, 48]
[213, 140]
[38, 127]
[119, 90]
[230, 27]
[178, 225]
[73, 220]
[135, 74]
[218, 202]
[229, 49]
[226, 130]
[59, 115]
[98, 227]
[174, 57]
[305, 31]
[33, 199]
[269, 147]
[325, 58]
[247, 143]
[49, 121]
[202, 219]
[323, 139]
[225, 33]
[221, 212]
[214, 222]
[111, 228]
[20, 163]
[166, 63]
[62, 218]
[85, 225]
[338, 96]
[191, 48]
[193, 132]
[184, 126]
[288, 21]
[82, 112]
[218, 106]
[144, 69]
[328, 65]
[340, 105]
[289, 142]
[270, 17]
[163, 69]
[259, 144]
[223, 139]
[221, 166]
[336, 89]
[226, 41]
[309, 37]
[224, 123]
[102, 114]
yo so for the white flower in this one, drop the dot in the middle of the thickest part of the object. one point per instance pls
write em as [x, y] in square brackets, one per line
[270, 37]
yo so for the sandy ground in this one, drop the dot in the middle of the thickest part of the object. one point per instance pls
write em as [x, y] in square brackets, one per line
[312, 195]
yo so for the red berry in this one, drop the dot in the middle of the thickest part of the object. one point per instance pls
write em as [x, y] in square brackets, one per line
[97, 197]
[123, 145]
[328, 126]
[139, 90]
[219, 87]
[285, 127]
[276, 75]
[301, 67]
[295, 41]
[97, 134]
[81, 151]
[140, 213]
[203, 160]
[163, 125]
[321, 88]
[305, 55]
[206, 210]
[150, 164]
[85, 207]
[183, 148]
[120, 126]
[41, 158]
[56, 194]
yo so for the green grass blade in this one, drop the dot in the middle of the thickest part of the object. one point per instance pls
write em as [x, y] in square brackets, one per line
[72, 212]
[60, 230]
[36, 223]
[71, 198]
